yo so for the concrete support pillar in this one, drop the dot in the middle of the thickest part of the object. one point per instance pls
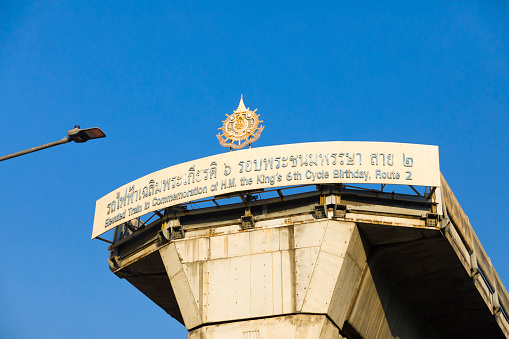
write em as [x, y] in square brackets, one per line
[289, 326]
[275, 281]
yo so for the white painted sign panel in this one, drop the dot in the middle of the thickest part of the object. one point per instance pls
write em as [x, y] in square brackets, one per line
[268, 167]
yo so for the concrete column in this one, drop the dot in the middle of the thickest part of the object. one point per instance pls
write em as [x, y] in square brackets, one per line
[275, 281]
[289, 326]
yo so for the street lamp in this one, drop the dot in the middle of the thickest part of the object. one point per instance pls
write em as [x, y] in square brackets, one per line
[77, 135]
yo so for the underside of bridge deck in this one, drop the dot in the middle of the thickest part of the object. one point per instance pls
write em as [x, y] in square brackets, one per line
[416, 289]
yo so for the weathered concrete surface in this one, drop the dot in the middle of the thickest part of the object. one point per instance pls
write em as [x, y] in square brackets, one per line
[265, 272]
[382, 269]
[290, 326]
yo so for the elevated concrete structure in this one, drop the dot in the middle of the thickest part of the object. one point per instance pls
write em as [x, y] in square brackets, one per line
[334, 262]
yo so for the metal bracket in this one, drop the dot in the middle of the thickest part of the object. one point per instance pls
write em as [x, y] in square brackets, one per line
[171, 230]
[177, 233]
[431, 220]
[320, 212]
[330, 203]
[338, 210]
[247, 222]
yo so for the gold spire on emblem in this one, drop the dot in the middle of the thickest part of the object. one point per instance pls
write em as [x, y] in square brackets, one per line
[241, 107]
[242, 124]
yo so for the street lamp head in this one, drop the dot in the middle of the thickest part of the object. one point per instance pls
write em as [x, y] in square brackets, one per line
[82, 135]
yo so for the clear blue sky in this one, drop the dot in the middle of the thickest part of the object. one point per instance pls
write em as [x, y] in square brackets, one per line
[158, 79]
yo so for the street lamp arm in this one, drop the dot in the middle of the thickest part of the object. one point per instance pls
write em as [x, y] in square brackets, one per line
[35, 149]
[76, 134]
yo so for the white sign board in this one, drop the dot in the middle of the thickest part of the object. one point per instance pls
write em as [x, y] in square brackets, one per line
[268, 167]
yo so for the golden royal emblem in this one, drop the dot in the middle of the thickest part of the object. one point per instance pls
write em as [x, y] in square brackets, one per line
[241, 125]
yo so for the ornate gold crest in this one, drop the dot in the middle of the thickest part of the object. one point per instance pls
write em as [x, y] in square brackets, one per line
[241, 125]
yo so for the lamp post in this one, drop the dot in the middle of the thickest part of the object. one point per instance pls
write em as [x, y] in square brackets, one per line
[77, 135]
